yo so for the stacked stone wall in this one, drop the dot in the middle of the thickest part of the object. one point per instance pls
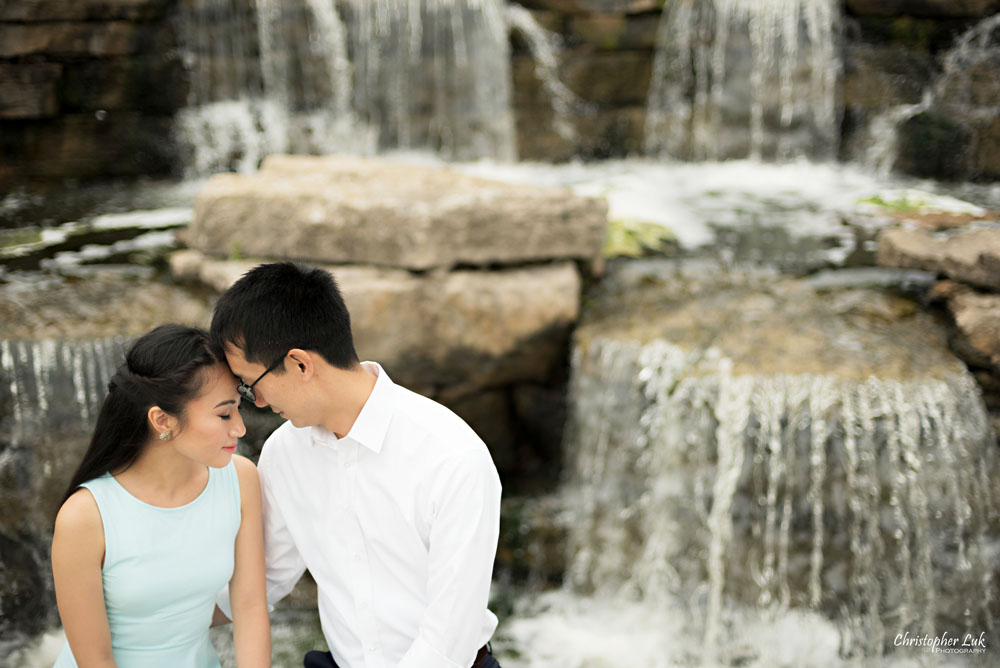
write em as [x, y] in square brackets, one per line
[89, 88]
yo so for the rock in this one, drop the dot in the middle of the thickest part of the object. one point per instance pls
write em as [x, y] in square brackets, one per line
[611, 78]
[932, 145]
[68, 39]
[104, 304]
[595, 6]
[490, 416]
[878, 77]
[977, 319]
[29, 90]
[88, 146]
[614, 31]
[378, 212]
[82, 10]
[931, 8]
[972, 256]
[461, 330]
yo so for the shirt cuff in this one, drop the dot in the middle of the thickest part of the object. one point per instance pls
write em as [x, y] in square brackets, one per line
[422, 655]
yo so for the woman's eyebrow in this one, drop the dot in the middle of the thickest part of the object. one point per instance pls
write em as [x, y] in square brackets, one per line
[223, 403]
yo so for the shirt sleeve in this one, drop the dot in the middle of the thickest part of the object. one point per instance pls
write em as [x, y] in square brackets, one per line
[465, 525]
[284, 564]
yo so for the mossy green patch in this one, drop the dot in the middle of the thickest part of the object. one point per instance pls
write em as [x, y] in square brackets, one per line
[637, 238]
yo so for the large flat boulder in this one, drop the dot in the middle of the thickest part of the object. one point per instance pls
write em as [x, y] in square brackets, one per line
[971, 256]
[454, 331]
[345, 210]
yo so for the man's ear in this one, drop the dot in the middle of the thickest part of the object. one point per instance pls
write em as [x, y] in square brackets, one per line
[304, 361]
[162, 422]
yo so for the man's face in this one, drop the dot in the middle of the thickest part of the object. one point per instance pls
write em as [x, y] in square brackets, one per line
[270, 390]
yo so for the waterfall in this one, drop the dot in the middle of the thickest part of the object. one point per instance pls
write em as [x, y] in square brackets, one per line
[544, 47]
[350, 76]
[50, 394]
[957, 93]
[739, 78]
[54, 385]
[867, 500]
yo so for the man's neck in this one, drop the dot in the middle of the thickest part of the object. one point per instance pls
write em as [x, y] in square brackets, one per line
[353, 387]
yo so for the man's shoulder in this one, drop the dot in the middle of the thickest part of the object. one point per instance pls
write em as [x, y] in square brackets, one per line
[435, 421]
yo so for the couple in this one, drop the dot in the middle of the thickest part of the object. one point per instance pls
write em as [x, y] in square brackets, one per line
[388, 498]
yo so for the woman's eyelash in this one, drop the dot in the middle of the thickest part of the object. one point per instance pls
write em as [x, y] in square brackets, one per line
[225, 417]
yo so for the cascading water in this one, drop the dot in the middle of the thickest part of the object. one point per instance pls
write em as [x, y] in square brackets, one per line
[743, 78]
[958, 93]
[707, 475]
[355, 76]
[50, 392]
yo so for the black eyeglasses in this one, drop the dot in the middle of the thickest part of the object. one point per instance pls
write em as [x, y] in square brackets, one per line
[246, 391]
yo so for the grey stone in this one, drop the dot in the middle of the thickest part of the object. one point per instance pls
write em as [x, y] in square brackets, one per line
[370, 211]
[595, 6]
[977, 321]
[29, 90]
[68, 39]
[82, 10]
[460, 331]
[932, 8]
[971, 256]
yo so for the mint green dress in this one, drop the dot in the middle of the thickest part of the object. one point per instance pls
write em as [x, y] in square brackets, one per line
[162, 570]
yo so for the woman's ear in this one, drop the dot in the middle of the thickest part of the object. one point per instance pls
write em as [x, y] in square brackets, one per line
[305, 363]
[164, 424]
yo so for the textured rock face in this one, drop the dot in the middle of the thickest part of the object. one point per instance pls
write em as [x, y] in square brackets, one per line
[971, 256]
[345, 210]
[929, 8]
[453, 333]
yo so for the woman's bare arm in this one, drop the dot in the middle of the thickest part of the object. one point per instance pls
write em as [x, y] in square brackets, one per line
[77, 559]
[247, 591]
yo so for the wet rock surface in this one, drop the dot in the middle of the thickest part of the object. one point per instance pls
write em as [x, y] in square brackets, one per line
[376, 212]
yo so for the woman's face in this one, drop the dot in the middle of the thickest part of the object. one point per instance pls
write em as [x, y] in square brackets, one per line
[212, 421]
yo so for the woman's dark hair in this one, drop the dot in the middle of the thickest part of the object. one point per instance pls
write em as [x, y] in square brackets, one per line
[162, 368]
[276, 307]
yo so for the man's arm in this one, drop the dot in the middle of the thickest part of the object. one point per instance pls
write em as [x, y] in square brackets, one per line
[463, 541]
[283, 563]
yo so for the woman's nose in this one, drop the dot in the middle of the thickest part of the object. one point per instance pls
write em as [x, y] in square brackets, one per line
[239, 427]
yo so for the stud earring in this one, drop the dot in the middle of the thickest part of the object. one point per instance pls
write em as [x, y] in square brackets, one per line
[165, 435]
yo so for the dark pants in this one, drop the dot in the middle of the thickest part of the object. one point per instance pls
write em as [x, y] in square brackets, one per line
[317, 659]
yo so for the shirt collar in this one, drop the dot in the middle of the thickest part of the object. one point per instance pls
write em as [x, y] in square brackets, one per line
[372, 424]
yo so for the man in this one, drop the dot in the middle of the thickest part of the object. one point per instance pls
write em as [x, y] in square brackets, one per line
[389, 499]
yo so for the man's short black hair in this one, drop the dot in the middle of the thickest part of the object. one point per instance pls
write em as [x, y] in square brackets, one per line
[276, 307]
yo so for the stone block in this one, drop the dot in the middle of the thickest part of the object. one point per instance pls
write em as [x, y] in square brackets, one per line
[614, 31]
[461, 330]
[154, 83]
[928, 8]
[971, 256]
[986, 154]
[933, 145]
[879, 77]
[82, 10]
[610, 78]
[68, 39]
[87, 146]
[379, 212]
[29, 90]
[596, 6]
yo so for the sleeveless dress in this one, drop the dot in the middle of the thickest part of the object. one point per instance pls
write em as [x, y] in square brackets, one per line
[162, 570]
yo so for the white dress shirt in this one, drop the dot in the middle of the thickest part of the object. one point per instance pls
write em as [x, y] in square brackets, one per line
[397, 522]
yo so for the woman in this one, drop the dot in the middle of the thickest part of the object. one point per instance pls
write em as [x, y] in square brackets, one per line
[160, 516]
